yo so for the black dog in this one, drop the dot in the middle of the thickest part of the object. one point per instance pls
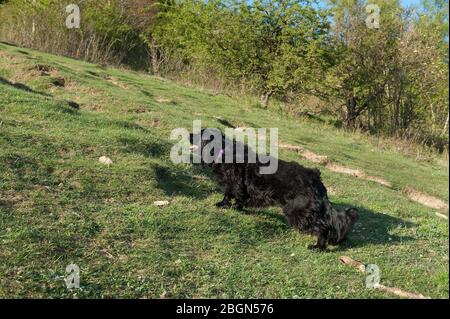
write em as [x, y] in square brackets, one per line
[297, 189]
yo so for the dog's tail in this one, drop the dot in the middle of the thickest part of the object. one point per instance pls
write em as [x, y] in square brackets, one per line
[340, 221]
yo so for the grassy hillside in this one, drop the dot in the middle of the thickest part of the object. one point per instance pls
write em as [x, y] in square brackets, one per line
[59, 205]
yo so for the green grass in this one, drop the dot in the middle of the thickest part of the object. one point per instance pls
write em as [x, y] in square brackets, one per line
[59, 205]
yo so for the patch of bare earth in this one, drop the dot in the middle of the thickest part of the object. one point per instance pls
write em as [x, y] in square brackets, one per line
[290, 147]
[357, 173]
[331, 190]
[18, 74]
[12, 59]
[44, 70]
[315, 158]
[160, 99]
[94, 108]
[344, 170]
[325, 161]
[10, 199]
[426, 200]
[115, 81]
[153, 123]
[140, 109]
[22, 73]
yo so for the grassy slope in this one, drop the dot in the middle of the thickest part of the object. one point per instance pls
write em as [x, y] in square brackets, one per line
[58, 205]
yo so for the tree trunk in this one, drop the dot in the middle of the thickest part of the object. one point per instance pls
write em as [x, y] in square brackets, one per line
[155, 58]
[351, 113]
[445, 127]
[155, 64]
[265, 98]
[33, 23]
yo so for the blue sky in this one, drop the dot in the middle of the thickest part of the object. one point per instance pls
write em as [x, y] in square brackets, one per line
[403, 2]
[409, 2]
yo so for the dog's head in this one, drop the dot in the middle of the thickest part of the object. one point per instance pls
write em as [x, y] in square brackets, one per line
[194, 139]
[207, 143]
[342, 222]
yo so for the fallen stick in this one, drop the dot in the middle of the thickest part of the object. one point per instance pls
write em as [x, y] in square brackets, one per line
[401, 293]
[442, 216]
[393, 290]
[161, 203]
[354, 263]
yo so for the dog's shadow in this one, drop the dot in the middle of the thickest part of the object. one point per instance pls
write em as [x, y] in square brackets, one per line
[194, 182]
[372, 228]
[275, 216]
[22, 87]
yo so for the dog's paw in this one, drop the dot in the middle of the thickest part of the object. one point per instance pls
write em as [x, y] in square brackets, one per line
[316, 248]
[223, 204]
[238, 207]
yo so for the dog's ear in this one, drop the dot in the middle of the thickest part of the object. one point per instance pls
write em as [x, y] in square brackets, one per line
[341, 223]
[352, 213]
[226, 123]
[192, 135]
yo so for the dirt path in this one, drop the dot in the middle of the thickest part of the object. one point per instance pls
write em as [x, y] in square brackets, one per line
[426, 199]
[325, 161]
[419, 197]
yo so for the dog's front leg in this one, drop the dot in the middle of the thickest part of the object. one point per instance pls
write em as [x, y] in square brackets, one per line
[238, 206]
[226, 201]
[321, 243]
[240, 199]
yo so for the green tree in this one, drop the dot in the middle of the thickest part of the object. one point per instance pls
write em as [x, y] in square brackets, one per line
[390, 79]
[269, 46]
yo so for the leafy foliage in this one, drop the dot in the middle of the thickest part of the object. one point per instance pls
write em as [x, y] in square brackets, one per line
[391, 80]
[269, 46]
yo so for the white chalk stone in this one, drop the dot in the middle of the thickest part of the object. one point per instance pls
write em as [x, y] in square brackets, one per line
[161, 203]
[105, 160]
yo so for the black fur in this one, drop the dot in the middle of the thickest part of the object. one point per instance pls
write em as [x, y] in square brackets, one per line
[297, 189]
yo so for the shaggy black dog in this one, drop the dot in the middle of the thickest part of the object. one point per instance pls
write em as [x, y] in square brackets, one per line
[297, 189]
